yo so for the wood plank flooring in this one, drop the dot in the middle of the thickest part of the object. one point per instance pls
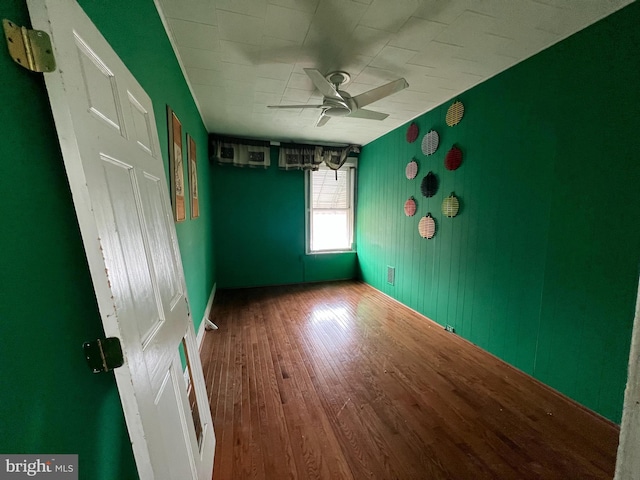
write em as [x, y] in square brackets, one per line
[338, 381]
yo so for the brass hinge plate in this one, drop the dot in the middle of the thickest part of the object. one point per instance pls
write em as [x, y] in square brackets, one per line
[29, 48]
[103, 355]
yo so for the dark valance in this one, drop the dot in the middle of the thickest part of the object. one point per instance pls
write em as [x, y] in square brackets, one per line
[240, 152]
[244, 152]
[294, 156]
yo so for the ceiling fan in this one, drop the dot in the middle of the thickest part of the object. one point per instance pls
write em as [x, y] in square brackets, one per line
[338, 103]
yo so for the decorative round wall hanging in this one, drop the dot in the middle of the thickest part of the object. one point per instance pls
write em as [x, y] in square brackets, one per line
[411, 169]
[430, 142]
[451, 205]
[455, 113]
[427, 226]
[453, 159]
[410, 207]
[412, 132]
[429, 185]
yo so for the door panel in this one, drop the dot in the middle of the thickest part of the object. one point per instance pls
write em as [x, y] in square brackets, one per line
[100, 85]
[159, 226]
[123, 194]
[142, 125]
[179, 459]
[107, 133]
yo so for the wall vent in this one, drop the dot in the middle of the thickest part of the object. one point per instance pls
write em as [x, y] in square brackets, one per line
[391, 275]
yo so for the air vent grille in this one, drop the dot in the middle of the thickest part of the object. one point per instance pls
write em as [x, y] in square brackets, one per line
[391, 275]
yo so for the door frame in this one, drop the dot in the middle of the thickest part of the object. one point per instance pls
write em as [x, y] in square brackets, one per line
[628, 460]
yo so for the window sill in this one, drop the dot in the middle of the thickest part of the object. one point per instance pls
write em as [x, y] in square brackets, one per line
[325, 252]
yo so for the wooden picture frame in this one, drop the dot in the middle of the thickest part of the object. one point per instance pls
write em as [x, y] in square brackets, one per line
[176, 166]
[192, 164]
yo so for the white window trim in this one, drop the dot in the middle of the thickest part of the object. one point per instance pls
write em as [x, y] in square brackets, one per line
[351, 163]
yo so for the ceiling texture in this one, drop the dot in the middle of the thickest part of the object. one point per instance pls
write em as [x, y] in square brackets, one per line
[239, 56]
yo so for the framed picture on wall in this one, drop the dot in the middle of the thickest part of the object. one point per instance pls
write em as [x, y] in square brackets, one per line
[193, 176]
[176, 166]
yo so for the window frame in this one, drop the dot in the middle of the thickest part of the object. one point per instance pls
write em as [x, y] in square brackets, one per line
[352, 165]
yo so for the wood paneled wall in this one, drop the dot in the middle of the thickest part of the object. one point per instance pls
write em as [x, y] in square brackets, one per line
[540, 267]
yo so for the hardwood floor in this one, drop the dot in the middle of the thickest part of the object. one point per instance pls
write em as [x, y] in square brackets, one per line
[338, 381]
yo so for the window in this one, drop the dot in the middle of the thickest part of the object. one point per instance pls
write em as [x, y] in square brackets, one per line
[330, 209]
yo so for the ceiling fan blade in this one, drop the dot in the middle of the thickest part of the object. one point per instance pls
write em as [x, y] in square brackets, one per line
[295, 106]
[322, 84]
[322, 119]
[368, 114]
[379, 93]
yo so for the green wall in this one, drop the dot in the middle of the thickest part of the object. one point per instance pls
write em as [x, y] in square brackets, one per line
[260, 217]
[541, 266]
[49, 400]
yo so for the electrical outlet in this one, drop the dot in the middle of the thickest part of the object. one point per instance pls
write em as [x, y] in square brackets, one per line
[449, 328]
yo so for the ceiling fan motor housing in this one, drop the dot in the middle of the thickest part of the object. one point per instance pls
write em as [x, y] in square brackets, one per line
[337, 111]
[335, 108]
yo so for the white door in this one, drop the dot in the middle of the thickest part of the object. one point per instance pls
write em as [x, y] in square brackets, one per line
[109, 141]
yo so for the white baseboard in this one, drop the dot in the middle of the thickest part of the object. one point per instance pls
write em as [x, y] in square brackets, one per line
[206, 324]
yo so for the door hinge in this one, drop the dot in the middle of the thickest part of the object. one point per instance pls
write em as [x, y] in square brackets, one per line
[29, 48]
[103, 355]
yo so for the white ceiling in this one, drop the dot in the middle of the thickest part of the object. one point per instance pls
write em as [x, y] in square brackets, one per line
[241, 55]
